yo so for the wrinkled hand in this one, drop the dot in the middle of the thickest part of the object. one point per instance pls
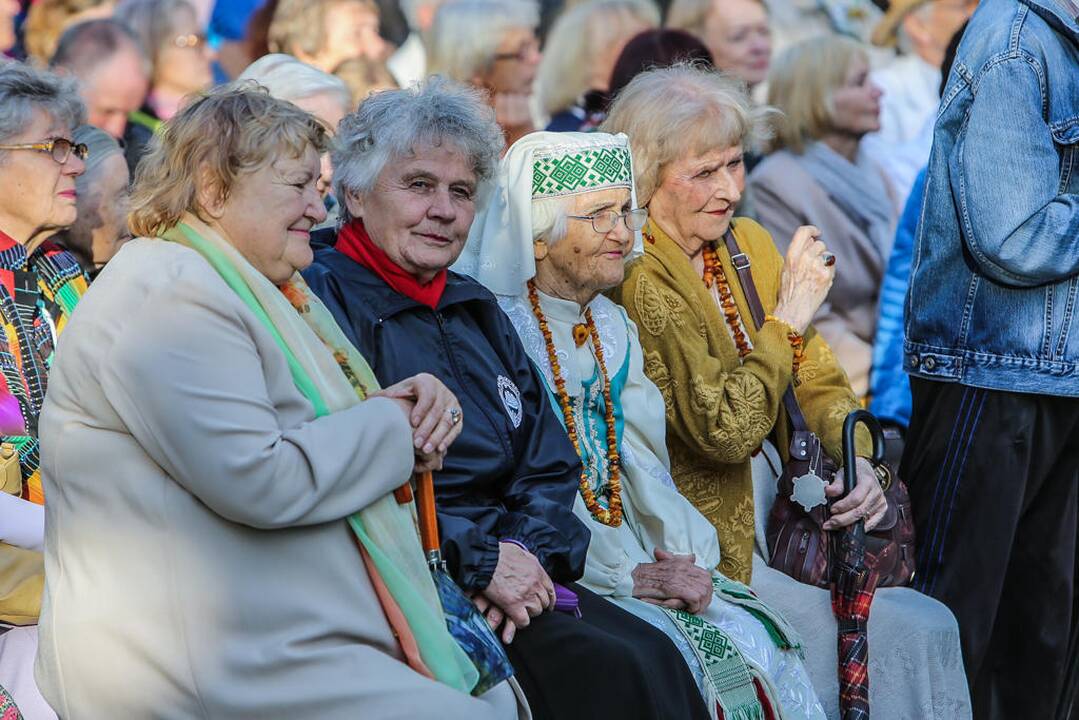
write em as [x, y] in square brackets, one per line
[805, 279]
[865, 501]
[427, 403]
[520, 589]
[673, 581]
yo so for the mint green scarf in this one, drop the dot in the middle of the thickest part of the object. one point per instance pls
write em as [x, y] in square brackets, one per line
[333, 376]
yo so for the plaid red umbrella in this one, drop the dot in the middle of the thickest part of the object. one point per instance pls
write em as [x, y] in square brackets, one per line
[853, 584]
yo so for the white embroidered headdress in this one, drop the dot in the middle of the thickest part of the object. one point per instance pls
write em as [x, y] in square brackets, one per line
[540, 165]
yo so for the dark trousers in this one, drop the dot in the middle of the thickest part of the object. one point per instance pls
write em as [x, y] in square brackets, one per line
[608, 664]
[993, 479]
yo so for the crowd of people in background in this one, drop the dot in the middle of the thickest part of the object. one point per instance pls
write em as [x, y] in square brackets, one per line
[264, 264]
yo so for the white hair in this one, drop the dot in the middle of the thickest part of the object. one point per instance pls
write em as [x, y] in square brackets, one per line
[466, 34]
[575, 40]
[391, 124]
[683, 110]
[550, 217]
[289, 79]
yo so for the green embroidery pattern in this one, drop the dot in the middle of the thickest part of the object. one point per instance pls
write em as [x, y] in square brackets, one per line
[555, 173]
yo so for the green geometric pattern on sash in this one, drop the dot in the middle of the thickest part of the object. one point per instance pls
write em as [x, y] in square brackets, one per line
[580, 171]
[723, 665]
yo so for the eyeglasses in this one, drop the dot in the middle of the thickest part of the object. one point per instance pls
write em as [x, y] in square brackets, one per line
[604, 222]
[190, 40]
[59, 148]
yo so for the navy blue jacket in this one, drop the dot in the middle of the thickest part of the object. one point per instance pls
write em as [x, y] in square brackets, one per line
[513, 472]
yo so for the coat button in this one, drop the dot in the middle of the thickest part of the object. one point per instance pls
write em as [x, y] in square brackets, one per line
[914, 359]
[929, 363]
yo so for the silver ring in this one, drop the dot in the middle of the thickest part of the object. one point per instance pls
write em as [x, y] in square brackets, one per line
[455, 416]
[828, 258]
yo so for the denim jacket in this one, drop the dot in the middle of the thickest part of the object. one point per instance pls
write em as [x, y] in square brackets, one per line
[994, 290]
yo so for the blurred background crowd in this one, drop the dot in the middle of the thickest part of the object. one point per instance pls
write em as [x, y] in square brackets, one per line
[855, 83]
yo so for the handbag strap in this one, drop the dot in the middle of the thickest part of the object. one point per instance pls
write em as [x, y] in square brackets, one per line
[741, 265]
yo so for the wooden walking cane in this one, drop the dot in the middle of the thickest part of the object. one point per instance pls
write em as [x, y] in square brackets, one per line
[425, 509]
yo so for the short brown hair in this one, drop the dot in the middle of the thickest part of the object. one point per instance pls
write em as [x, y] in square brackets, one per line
[233, 130]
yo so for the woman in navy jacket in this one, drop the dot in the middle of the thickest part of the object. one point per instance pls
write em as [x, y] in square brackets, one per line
[410, 167]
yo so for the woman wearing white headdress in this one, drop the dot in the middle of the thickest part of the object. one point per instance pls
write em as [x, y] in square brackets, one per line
[556, 234]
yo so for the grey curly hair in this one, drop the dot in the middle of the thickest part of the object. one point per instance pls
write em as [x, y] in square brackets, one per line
[390, 124]
[24, 89]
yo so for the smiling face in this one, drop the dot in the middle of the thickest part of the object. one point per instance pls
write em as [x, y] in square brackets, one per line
[740, 39]
[696, 196]
[270, 212]
[39, 193]
[856, 104]
[420, 209]
[585, 263]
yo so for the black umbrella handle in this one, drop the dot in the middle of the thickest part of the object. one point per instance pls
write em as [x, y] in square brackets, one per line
[856, 417]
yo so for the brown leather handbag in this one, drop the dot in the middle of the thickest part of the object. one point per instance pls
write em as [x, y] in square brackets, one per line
[798, 544]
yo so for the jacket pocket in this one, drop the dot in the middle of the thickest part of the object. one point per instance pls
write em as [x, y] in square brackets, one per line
[1066, 139]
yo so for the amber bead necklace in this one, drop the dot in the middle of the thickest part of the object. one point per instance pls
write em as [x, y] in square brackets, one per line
[612, 515]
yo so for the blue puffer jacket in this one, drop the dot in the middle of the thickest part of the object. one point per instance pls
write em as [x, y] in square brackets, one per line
[889, 386]
[513, 472]
[994, 292]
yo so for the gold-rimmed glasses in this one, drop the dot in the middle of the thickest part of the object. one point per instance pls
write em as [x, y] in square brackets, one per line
[604, 222]
[59, 148]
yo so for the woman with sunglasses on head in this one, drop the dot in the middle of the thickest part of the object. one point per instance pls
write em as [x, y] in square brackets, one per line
[40, 283]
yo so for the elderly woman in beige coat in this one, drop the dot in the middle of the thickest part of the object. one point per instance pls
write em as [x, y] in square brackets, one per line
[819, 175]
[223, 537]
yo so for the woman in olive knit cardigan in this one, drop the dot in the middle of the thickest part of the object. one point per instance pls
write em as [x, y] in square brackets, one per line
[722, 380]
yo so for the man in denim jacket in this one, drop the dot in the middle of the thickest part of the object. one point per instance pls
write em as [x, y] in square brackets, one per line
[992, 344]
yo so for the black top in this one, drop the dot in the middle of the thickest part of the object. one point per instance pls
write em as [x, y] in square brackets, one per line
[512, 473]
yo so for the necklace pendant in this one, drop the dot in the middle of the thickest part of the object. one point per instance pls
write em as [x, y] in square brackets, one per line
[580, 334]
[809, 491]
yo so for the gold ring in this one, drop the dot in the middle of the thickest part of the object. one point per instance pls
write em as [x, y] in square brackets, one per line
[455, 416]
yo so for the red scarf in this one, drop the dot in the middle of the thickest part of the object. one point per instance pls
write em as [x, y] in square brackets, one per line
[353, 241]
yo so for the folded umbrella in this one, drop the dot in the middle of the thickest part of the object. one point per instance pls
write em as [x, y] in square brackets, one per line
[467, 626]
[853, 583]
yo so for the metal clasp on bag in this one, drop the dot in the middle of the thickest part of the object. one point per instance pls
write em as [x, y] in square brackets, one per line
[738, 263]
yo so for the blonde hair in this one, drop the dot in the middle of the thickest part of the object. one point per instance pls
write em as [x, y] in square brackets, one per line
[300, 24]
[801, 83]
[251, 129]
[466, 34]
[363, 76]
[46, 20]
[577, 37]
[679, 111]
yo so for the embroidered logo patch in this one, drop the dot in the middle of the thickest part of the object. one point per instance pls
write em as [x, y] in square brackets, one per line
[511, 398]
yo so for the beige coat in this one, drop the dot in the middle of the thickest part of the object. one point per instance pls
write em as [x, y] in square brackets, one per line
[197, 561]
[788, 197]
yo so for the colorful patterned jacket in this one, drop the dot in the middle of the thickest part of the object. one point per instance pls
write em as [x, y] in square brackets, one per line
[37, 295]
